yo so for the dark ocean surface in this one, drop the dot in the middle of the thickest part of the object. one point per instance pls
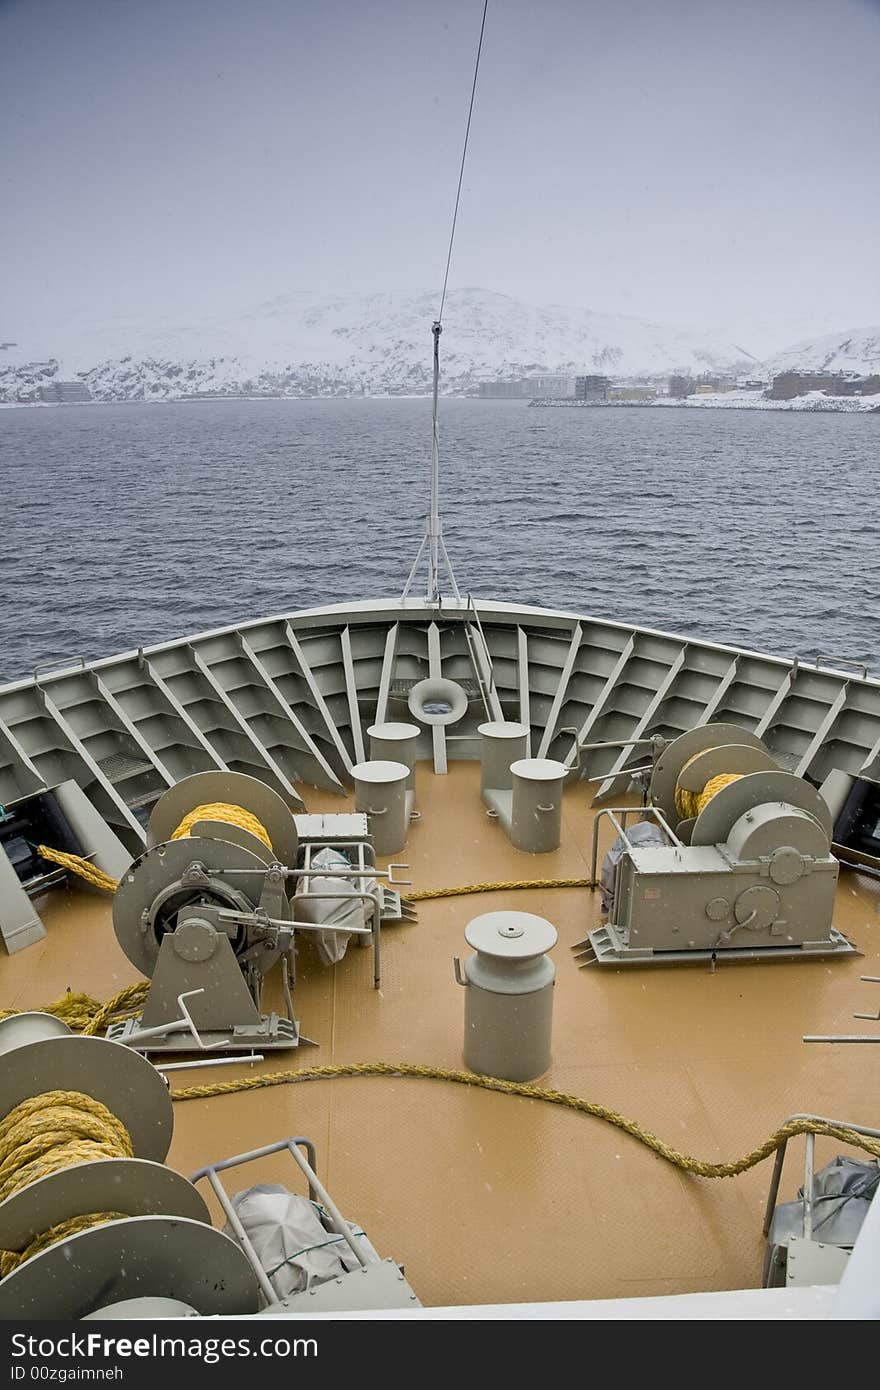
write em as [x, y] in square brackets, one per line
[126, 525]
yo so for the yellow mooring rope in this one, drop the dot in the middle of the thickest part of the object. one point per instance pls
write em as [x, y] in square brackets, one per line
[83, 1014]
[75, 864]
[86, 1015]
[679, 1160]
[212, 810]
[497, 887]
[690, 804]
[229, 814]
[46, 1134]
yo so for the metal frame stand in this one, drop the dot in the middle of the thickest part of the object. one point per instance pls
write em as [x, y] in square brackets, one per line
[808, 1184]
[317, 1193]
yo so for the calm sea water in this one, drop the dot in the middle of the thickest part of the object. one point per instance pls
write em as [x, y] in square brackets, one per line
[127, 525]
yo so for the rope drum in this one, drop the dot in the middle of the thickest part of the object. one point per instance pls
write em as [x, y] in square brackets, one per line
[221, 811]
[689, 804]
[90, 1216]
[228, 815]
[45, 1134]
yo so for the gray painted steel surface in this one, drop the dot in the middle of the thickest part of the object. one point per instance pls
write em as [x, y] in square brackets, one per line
[508, 1015]
[381, 794]
[288, 700]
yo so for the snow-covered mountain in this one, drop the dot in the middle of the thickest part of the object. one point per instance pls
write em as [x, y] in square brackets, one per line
[306, 343]
[855, 351]
[311, 344]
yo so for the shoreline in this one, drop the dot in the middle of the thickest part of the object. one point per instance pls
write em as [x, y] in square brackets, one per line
[813, 403]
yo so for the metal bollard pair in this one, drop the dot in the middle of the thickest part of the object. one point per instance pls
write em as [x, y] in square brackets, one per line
[385, 786]
[524, 793]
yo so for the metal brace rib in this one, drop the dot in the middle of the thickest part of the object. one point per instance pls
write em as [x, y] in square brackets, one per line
[387, 671]
[561, 689]
[351, 691]
[131, 728]
[775, 704]
[719, 693]
[261, 751]
[525, 714]
[644, 723]
[435, 669]
[186, 719]
[823, 731]
[320, 703]
[78, 747]
[309, 745]
[603, 697]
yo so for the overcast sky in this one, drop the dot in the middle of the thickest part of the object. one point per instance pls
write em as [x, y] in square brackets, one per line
[708, 163]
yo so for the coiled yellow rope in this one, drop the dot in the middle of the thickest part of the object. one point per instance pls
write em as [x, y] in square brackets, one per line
[212, 810]
[229, 814]
[679, 1160]
[45, 1134]
[83, 1014]
[11, 1259]
[690, 804]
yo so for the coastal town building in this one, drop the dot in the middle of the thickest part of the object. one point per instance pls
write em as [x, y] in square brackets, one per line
[591, 388]
[64, 392]
[787, 385]
[541, 386]
[631, 393]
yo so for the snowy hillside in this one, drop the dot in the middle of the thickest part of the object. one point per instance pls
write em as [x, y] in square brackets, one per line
[855, 351]
[318, 345]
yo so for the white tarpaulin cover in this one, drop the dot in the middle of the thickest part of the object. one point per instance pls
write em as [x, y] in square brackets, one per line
[644, 832]
[337, 907]
[293, 1240]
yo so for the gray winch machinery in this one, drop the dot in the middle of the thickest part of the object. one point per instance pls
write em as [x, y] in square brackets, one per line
[94, 1226]
[207, 915]
[160, 1243]
[731, 857]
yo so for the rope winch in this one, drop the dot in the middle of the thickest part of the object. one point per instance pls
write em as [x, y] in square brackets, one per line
[214, 903]
[204, 913]
[731, 858]
[89, 1214]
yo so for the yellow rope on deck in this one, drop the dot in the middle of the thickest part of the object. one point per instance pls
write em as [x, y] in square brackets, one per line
[86, 1015]
[45, 1134]
[497, 887]
[679, 1160]
[213, 810]
[83, 1014]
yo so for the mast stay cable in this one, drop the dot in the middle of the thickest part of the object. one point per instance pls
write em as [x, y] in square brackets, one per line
[432, 541]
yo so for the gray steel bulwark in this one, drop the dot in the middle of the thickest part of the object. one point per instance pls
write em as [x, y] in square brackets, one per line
[122, 727]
